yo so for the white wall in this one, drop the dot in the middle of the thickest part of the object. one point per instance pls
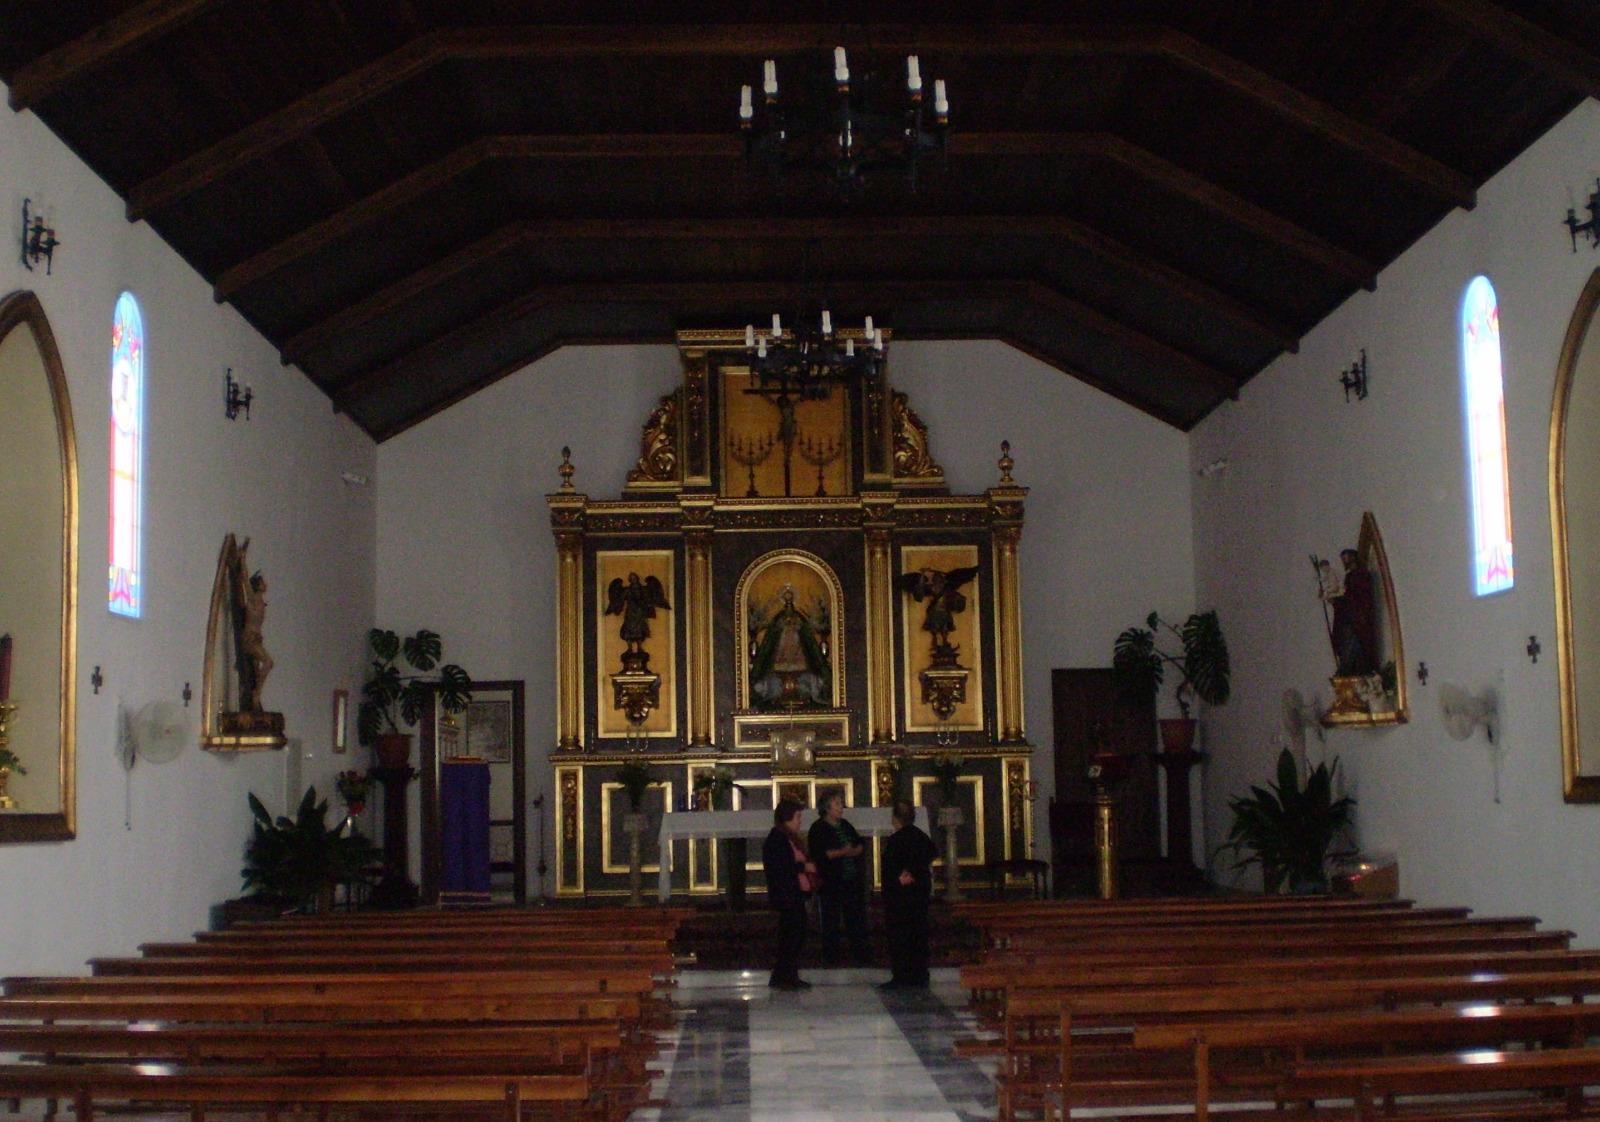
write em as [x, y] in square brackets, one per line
[275, 478]
[1303, 465]
[464, 544]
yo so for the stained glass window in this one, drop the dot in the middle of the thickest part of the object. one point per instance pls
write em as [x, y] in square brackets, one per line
[1484, 394]
[127, 455]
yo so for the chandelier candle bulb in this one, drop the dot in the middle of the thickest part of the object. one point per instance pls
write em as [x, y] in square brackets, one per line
[869, 327]
[841, 68]
[777, 326]
[761, 347]
[850, 348]
[877, 340]
[747, 109]
[941, 104]
[913, 74]
[749, 335]
[769, 78]
[827, 322]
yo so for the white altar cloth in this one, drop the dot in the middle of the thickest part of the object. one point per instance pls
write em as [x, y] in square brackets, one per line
[868, 820]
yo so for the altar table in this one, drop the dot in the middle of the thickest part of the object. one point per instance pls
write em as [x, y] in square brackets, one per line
[869, 821]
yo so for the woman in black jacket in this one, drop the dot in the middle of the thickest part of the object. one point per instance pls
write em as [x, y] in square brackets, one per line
[790, 879]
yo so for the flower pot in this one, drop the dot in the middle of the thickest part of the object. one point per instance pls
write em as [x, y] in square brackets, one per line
[392, 750]
[1177, 734]
[355, 807]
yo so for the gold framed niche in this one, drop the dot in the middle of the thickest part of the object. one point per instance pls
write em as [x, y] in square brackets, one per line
[966, 635]
[662, 721]
[41, 601]
[217, 679]
[761, 594]
[970, 851]
[751, 421]
[1379, 708]
[1575, 532]
[613, 840]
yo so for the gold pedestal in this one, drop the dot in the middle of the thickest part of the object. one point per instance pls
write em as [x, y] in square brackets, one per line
[1105, 841]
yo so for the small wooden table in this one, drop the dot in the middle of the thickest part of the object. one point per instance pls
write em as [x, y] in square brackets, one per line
[1022, 867]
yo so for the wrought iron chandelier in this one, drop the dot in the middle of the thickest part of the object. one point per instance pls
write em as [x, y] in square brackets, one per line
[841, 135]
[802, 362]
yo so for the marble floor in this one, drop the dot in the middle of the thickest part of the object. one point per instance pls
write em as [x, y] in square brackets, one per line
[840, 1052]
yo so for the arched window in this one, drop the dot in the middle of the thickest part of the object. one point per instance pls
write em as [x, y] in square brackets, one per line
[1484, 394]
[127, 456]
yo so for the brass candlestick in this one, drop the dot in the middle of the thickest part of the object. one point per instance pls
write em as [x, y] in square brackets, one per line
[8, 710]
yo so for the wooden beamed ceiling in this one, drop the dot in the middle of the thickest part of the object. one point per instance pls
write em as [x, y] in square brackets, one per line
[412, 199]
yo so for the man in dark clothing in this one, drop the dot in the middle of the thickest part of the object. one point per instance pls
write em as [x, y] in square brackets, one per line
[907, 887]
[836, 848]
[791, 877]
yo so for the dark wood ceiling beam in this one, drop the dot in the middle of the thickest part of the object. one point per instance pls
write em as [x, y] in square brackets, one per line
[459, 44]
[1274, 227]
[132, 28]
[1169, 358]
[880, 230]
[713, 296]
[1018, 338]
[1366, 140]
[1504, 30]
[712, 145]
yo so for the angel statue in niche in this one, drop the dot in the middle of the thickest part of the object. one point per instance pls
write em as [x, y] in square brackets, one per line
[636, 602]
[789, 655]
[942, 590]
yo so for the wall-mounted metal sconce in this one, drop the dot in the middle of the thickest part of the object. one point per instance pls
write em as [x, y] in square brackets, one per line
[1354, 378]
[235, 397]
[188, 695]
[38, 240]
[1422, 673]
[1591, 228]
[97, 679]
[1533, 648]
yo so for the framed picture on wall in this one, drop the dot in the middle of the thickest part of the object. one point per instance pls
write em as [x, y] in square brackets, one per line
[489, 730]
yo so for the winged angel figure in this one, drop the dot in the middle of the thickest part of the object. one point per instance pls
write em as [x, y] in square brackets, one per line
[942, 590]
[636, 602]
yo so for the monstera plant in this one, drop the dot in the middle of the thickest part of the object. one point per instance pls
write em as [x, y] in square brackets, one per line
[1289, 829]
[390, 697]
[1200, 659]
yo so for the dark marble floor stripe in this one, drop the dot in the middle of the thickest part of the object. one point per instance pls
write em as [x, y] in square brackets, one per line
[711, 1069]
[931, 1027]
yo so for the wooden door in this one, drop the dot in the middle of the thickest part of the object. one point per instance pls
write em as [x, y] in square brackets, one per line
[1092, 716]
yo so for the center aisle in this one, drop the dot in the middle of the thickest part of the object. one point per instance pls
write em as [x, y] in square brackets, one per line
[842, 1051]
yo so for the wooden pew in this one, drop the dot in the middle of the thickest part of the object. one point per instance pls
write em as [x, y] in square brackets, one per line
[1367, 1033]
[504, 1093]
[1042, 1027]
[1446, 1078]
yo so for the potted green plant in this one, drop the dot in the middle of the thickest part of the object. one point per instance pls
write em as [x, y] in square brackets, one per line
[389, 697]
[947, 770]
[634, 777]
[1201, 661]
[1289, 829]
[9, 761]
[296, 862]
[353, 788]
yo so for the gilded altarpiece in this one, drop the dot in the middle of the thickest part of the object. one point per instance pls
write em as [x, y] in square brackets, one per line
[786, 589]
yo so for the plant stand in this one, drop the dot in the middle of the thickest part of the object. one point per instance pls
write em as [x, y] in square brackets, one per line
[1181, 874]
[951, 818]
[396, 890]
[634, 824]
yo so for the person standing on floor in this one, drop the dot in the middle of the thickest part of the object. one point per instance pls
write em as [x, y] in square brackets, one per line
[791, 878]
[907, 887]
[837, 850]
